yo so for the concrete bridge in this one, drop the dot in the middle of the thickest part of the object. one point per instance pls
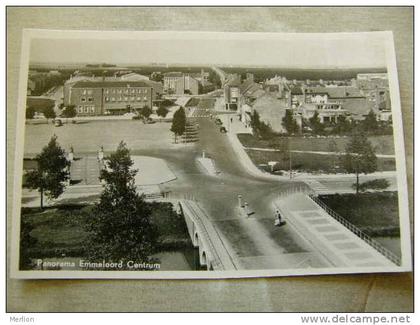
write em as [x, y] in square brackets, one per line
[213, 253]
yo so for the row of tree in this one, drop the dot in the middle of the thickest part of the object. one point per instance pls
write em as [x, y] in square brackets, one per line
[343, 126]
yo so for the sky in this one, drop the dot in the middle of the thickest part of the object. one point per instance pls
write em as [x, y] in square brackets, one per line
[363, 50]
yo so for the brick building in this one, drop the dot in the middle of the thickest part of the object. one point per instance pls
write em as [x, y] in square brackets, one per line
[109, 97]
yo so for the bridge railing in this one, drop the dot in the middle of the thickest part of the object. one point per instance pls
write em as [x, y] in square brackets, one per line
[362, 235]
[204, 234]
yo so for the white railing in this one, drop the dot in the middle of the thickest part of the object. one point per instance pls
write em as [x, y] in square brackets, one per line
[204, 234]
[362, 235]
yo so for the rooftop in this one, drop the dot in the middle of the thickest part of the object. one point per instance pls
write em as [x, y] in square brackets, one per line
[336, 92]
[110, 84]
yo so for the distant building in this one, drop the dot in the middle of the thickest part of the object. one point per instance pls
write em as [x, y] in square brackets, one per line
[178, 83]
[231, 92]
[109, 97]
[341, 99]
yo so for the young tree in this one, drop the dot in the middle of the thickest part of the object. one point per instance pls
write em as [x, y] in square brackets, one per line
[70, 111]
[315, 123]
[145, 111]
[289, 122]
[52, 172]
[375, 184]
[30, 112]
[342, 126]
[370, 123]
[178, 123]
[359, 157]
[333, 147]
[255, 121]
[162, 111]
[49, 113]
[120, 224]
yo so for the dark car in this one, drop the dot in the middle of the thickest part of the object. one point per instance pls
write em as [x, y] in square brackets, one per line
[223, 129]
[57, 122]
[218, 121]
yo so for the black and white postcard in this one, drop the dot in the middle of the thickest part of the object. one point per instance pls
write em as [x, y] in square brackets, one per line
[208, 155]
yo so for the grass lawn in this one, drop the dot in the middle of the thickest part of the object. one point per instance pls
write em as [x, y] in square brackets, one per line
[383, 144]
[206, 103]
[309, 162]
[60, 231]
[375, 213]
[193, 102]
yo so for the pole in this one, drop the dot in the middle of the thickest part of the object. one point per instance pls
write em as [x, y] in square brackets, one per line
[290, 161]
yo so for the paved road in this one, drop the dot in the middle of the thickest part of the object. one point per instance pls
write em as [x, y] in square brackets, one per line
[253, 241]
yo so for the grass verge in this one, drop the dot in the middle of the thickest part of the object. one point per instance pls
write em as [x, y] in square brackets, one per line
[374, 213]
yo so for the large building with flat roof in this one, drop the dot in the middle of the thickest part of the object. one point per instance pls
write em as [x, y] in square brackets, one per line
[109, 97]
[178, 83]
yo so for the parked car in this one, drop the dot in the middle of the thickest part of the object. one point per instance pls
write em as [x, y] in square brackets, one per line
[218, 121]
[58, 122]
[223, 129]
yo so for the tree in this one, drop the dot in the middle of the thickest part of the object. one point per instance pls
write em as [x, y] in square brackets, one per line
[178, 123]
[342, 126]
[162, 111]
[315, 123]
[27, 241]
[260, 128]
[70, 111]
[289, 122]
[215, 79]
[255, 121]
[370, 123]
[51, 173]
[359, 157]
[375, 184]
[30, 112]
[146, 111]
[333, 147]
[49, 113]
[120, 224]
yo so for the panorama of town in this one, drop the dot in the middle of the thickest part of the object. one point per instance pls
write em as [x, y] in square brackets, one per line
[180, 168]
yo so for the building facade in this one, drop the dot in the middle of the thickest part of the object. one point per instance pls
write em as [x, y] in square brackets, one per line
[178, 83]
[109, 97]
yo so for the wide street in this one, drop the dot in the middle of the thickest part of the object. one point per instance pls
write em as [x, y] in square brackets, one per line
[253, 242]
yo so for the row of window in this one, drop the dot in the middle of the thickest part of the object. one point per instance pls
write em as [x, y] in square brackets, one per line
[86, 109]
[126, 91]
[89, 99]
[126, 99]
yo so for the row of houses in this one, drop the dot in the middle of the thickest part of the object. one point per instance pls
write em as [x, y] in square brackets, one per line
[272, 98]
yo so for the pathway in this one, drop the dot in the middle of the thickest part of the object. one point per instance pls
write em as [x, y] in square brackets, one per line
[337, 243]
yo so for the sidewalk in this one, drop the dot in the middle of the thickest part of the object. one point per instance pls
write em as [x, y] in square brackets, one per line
[336, 242]
[327, 153]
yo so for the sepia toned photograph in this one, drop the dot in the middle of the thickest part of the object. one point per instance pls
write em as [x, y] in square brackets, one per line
[208, 155]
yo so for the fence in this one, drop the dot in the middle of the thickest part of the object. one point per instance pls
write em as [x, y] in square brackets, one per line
[370, 241]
